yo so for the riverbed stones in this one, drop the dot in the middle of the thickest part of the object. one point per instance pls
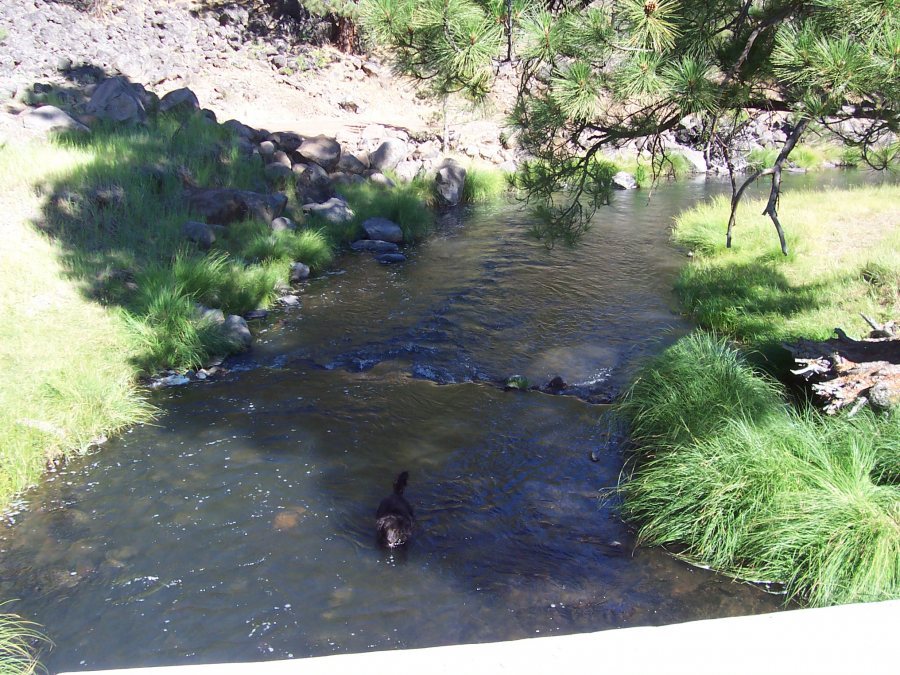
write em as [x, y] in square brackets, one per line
[51, 118]
[449, 182]
[335, 210]
[383, 229]
[351, 163]
[237, 332]
[323, 150]
[374, 246]
[624, 181]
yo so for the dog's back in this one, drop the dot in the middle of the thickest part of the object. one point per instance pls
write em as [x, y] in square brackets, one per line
[394, 517]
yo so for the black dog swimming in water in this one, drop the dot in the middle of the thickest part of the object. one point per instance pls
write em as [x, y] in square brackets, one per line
[394, 518]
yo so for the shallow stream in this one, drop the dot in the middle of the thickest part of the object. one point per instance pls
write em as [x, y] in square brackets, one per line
[240, 526]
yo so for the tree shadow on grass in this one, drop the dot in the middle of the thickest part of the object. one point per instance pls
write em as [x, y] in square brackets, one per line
[114, 201]
[751, 301]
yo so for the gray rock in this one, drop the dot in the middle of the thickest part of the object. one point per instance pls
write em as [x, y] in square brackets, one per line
[324, 151]
[390, 258]
[225, 205]
[236, 331]
[281, 157]
[695, 157]
[408, 169]
[267, 149]
[51, 118]
[388, 155]
[335, 210]
[375, 246]
[240, 129]
[350, 163]
[281, 224]
[118, 100]
[180, 100]
[882, 396]
[203, 234]
[383, 230]
[289, 300]
[210, 314]
[379, 178]
[299, 272]
[624, 181]
[278, 172]
[450, 181]
[287, 140]
[313, 184]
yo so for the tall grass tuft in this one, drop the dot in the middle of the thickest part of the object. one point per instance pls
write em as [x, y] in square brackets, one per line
[733, 478]
[485, 185]
[17, 646]
[693, 388]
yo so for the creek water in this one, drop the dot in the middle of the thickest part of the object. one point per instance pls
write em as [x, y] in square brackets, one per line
[240, 526]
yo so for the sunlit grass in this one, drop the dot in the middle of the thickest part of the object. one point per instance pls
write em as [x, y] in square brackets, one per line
[844, 259]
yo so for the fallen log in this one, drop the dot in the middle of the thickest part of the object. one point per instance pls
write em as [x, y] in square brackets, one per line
[846, 372]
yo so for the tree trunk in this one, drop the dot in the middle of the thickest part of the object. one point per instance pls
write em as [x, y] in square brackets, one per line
[771, 209]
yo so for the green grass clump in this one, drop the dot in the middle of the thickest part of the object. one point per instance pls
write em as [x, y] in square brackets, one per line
[17, 646]
[810, 157]
[691, 389]
[844, 259]
[484, 185]
[757, 490]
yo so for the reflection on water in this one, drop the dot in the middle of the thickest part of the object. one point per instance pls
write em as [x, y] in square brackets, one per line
[241, 526]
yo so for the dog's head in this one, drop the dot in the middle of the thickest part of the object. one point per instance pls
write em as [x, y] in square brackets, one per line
[393, 530]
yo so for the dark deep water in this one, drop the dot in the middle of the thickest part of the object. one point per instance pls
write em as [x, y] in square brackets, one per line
[240, 526]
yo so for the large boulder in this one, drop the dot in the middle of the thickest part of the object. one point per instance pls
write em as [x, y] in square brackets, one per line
[383, 229]
[389, 154]
[179, 100]
[118, 100]
[225, 205]
[51, 118]
[323, 150]
[450, 182]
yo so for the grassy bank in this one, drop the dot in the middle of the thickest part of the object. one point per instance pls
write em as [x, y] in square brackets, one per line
[99, 284]
[729, 473]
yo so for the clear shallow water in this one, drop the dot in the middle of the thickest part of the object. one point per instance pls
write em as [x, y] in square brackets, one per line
[240, 526]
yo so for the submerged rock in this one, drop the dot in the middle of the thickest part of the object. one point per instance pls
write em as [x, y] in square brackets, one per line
[390, 258]
[374, 246]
